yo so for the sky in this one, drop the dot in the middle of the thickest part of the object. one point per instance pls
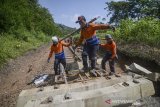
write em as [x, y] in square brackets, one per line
[67, 11]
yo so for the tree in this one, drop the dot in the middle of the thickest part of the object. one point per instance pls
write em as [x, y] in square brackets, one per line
[132, 9]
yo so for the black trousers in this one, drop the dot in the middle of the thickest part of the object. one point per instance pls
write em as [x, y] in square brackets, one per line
[56, 65]
[89, 51]
[111, 63]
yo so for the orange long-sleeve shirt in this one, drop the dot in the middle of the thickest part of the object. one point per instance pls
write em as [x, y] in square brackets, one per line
[58, 48]
[110, 47]
[90, 31]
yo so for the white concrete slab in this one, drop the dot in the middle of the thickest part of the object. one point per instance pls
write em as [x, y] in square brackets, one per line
[98, 98]
[88, 90]
[154, 76]
[75, 87]
[137, 68]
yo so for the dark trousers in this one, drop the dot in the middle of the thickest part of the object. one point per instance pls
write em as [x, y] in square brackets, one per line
[89, 51]
[57, 65]
[111, 63]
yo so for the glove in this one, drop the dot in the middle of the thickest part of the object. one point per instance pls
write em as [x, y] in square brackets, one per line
[112, 28]
[48, 60]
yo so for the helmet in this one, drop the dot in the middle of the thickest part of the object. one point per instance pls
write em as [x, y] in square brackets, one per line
[81, 18]
[108, 36]
[54, 39]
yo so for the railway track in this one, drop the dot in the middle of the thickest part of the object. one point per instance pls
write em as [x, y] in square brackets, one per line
[74, 67]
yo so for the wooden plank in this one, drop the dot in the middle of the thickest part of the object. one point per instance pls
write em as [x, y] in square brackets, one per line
[87, 75]
[81, 78]
[98, 73]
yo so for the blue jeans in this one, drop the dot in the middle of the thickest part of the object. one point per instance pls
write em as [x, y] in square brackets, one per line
[56, 65]
[111, 63]
[89, 51]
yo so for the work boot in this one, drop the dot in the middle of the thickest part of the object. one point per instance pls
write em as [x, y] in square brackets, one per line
[111, 73]
[66, 72]
[59, 77]
[85, 69]
[117, 75]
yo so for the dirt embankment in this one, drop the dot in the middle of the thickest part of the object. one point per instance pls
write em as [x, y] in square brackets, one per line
[15, 75]
[147, 56]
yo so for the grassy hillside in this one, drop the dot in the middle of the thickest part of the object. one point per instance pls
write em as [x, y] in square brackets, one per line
[24, 25]
[65, 29]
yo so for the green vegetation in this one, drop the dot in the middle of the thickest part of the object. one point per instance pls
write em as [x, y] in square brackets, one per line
[11, 47]
[25, 15]
[24, 25]
[139, 39]
[144, 31]
[137, 21]
[132, 9]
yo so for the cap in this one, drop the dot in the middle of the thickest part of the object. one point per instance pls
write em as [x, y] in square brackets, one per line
[81, 18]
[108, 36]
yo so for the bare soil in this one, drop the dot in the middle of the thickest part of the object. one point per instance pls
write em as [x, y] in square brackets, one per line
[15, 75]
[144, 55]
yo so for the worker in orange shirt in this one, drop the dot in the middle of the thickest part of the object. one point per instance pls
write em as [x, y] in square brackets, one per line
[91, 42]
[110, 55]
[57, 48]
